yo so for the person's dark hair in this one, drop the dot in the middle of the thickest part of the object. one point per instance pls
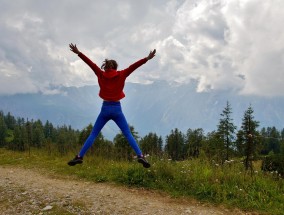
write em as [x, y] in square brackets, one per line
[109, 64]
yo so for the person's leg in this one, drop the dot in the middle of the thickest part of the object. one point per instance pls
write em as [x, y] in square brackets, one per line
[99, 124]
[120, 120]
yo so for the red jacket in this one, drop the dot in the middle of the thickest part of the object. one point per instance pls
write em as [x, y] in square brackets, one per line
[111, 81]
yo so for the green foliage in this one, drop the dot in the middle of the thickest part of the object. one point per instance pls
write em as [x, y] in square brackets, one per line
[175, 145]
[226, 130]
[193, 142]
[151, 144]
[274, 163]
[3, 129]
[10, 121]
[270, 140]
[246, 143]
[212, 147]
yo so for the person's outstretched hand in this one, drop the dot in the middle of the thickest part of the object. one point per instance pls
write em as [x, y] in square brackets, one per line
[74, 48]
[151, 54]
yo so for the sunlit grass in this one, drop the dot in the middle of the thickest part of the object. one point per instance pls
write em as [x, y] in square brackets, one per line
[227, 184]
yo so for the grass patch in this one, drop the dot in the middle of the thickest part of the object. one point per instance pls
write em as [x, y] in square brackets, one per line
[229, 184]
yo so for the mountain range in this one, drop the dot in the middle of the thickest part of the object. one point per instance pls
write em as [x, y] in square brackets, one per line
[158, 107]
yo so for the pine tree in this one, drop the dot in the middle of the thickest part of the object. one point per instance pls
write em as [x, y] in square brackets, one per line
[10, 121]
[19, 142]
[175, 145]
[3, 129]
[213, 147]
[246, 141]
[273, 140]
[151, 144]
[193, 142]
[29, 135]
[38, 134]
[226, 129]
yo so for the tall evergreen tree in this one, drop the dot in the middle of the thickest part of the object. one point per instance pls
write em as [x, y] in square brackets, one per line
[246, 141]
[226, 130]
[38, 134]
[193, 142]
[48, 130]
[19, 142]
[282, 134]
[269, 140]
[213, 147]
[273, 140]
[29, 128]
[10, 121]
[3, 129]
[175, 145]
[151, 144]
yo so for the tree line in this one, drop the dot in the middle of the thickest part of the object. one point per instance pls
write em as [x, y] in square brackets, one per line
[226, 142]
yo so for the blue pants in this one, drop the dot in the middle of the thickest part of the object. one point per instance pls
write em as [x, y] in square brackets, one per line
[110, 111]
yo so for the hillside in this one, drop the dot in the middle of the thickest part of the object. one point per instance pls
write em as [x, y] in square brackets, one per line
[157, 107]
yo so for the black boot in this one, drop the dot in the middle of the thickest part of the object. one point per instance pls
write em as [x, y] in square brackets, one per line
[143, 161]
[76, 160]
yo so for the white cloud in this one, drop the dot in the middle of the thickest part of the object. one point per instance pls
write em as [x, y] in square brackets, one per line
[225, 45]
[228, 45]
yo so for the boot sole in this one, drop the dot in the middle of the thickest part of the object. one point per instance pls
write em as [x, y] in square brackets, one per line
[73, 163]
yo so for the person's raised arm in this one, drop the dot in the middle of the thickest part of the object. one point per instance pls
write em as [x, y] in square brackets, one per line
[139, 63]
[90, 63]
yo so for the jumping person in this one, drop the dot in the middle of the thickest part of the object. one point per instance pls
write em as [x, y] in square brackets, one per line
[111, 82]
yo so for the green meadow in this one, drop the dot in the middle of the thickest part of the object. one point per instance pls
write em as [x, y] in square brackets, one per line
[228, 184]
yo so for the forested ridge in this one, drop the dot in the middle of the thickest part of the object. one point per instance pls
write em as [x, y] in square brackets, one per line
[249, 142]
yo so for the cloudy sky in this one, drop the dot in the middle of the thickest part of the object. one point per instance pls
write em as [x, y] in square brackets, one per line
[235, 45]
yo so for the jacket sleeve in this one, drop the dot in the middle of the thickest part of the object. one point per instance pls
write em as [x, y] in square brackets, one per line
[131, 68]
[90, 63]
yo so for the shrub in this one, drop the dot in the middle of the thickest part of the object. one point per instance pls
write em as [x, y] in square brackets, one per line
[274, 162]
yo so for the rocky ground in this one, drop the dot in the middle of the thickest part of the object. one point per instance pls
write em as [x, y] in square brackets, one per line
[26, 191]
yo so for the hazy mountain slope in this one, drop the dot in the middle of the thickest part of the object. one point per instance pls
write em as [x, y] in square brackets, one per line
[157, 107]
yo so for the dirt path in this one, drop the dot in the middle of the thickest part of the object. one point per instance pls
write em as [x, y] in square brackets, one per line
[24, 191]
